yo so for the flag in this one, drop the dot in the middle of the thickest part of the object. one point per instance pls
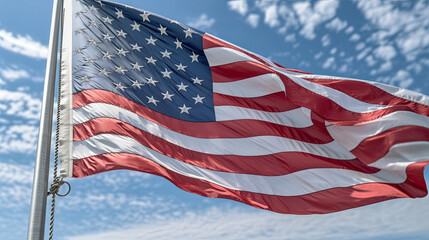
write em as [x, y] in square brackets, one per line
[146, 93]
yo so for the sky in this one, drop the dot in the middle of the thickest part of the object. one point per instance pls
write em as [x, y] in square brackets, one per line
[383, 41]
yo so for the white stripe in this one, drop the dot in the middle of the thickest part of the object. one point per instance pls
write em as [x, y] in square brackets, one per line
[351, 136]
[398, 92]
[298, 118]
[250, 146]
[401, 155]
[258, 86]
[222, 55]
[340, 98]
[294, 184]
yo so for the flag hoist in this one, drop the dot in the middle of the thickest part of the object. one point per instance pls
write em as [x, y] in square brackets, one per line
[142, 92]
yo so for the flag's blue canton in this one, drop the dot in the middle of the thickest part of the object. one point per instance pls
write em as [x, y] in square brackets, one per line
[151, 60]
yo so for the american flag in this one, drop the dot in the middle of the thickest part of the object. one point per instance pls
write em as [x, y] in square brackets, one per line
[146, 93]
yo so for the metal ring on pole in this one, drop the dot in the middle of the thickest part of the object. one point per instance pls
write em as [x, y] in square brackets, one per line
[68, 190]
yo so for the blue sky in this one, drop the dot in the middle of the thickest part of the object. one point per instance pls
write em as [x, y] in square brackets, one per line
[385, 41]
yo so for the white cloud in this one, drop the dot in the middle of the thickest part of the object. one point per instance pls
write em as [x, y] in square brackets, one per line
[355, 37]
[290, 38]
[19, 104]
[385, 52]
[203, 22]
[239, 6]
[398, 218]
[2, 82]
[403, 78]
[333, 51]
[15, 173]
[349, 29]
[20, 138]
[336, 24]
[253, 20]
[13, 74]
[408, 26]
[310, 17]
[271, 15]
[24, 45]
[329, 62]
[326, 40]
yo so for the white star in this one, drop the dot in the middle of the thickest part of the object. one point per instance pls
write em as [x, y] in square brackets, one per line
[122, 52]
[119, 13]
[178, 44]
[107, 55]
[136, 47]
[119, 86]
[188, 33]
[104, 72]
[151, 81]
[122, 33]
[92, 8]
[137, 84]
[89, 60]
[78, 50]
[197, 81]
[85, 78]
[152, 100]
[80, 13]
[107, 36]
[145, 16]
[184, 109]
[92, 42]
[120, 70]
[181, 67]
[182, 86]
[136, 66]
[79, 31]
[151, 40]
[136, 26]
[167, 96]
[99, 1]
[166, 73]
[151, 60]
[194, 57]
[166, 53]
[162, 29]
[94, 23]
[198, 99]
[108, 20]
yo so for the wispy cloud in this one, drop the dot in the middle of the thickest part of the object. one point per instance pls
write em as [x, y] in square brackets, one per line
[400, 218]
[253, 20]
[203, 22]
[24, 45]
[310, 17]
[14, 74]
[239, 6]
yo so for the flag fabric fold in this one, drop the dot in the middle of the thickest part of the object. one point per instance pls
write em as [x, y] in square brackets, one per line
[146, 93]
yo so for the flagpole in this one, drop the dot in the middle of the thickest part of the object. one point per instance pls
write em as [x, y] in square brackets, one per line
[36, 223]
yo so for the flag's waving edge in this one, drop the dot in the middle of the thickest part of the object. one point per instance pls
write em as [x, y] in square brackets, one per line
[146, 93]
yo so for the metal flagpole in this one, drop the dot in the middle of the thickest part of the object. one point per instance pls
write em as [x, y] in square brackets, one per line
[36, 224]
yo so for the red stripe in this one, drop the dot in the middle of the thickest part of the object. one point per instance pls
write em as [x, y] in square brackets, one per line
[326, 201]
[273, 164]
[211, 42]
[238, 71]
[330, 110]
[224, 129]
[369, 93]
[275, 102]
[375, 147]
